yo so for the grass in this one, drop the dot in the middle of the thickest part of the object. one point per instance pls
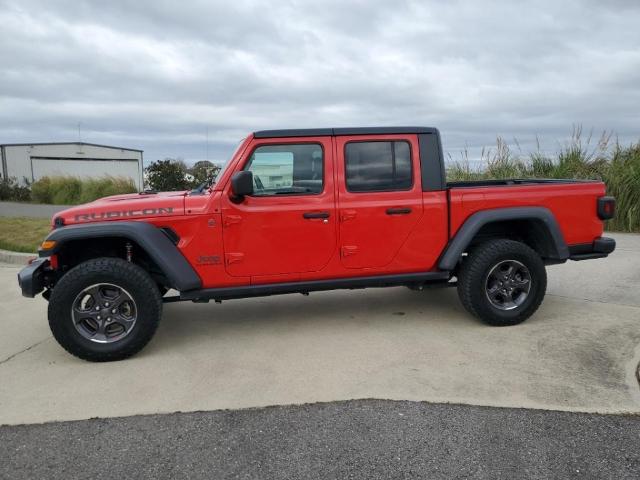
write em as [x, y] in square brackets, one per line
[73, 190]
[582, 157]
[21, 234]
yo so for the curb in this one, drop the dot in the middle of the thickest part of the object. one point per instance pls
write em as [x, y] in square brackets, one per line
[15, 258]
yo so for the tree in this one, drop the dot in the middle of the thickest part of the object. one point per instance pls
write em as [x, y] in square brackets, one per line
[204, 171]
[167, 175]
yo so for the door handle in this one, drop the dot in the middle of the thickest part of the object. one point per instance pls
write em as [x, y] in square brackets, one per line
[398, 211]
[312, 215]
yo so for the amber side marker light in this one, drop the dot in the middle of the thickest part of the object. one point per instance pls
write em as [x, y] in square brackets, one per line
[47, 245]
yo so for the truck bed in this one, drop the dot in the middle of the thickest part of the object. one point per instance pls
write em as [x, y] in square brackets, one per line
[572, 202]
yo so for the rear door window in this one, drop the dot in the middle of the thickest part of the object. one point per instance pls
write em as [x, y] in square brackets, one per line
[378, 166]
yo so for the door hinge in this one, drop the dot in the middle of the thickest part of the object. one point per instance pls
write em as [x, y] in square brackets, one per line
[233, 258]
[348, 250]
[231, 220]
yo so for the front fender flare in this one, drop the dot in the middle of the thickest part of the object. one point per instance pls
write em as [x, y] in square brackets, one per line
[475, 222]
[151, 239]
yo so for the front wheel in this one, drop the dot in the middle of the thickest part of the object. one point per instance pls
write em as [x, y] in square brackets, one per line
[104, 309]
[502, 282]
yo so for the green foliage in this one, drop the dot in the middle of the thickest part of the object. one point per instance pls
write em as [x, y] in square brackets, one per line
[41, 191]
[204, 171]
[65, 190]
[579, 158]
[623, 182]
[172, 174]
[541, 166]
[167, 175]
[94, 188]
[74, 190]
[11, 190]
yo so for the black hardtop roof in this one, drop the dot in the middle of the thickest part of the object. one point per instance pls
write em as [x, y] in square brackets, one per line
[324, 132]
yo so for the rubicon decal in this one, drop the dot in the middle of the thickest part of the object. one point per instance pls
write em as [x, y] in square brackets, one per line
[145, 212]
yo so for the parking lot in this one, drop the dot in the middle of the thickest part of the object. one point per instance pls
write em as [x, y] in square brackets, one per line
[578, 353]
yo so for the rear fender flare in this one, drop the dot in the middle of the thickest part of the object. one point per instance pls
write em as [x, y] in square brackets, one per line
[475, 222]
[151, 239]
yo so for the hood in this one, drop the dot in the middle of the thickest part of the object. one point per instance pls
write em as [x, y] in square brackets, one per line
[132, 206]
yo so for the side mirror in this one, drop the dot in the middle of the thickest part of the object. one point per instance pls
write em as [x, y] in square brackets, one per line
[242, 184]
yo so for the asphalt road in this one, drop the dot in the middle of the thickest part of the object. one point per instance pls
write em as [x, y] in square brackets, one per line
[358, 439]
[19, 209]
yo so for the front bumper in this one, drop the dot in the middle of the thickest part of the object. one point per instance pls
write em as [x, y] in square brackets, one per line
[601, 247]
[31, 278]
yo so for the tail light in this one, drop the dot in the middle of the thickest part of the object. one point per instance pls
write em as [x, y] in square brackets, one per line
[606, 208]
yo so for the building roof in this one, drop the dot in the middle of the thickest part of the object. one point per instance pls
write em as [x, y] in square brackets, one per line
[323, 132]
[68, 143]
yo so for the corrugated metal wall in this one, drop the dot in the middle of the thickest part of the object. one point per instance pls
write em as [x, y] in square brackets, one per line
[35, 161]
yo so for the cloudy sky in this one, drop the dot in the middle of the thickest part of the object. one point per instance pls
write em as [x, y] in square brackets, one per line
[156, 74]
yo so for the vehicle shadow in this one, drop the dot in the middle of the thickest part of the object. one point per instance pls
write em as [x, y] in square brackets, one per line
[187, 322]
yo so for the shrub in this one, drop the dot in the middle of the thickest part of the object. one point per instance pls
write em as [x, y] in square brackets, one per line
[623, 182]
[11, 190]
[65, 190]
[540, 166]
[94, 188]
[74, 190]
[41, 190]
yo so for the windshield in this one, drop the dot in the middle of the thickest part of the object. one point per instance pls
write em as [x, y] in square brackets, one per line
[212, 180]
[226, 164]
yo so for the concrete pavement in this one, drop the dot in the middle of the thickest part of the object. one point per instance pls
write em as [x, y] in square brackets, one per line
[578, 353]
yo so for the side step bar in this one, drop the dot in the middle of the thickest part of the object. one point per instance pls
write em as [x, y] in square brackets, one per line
[228, 293]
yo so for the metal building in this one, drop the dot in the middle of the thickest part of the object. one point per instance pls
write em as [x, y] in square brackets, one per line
[32, 161]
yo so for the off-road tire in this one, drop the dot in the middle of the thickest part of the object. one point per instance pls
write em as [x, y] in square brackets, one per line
[108, 270]
[472, 278]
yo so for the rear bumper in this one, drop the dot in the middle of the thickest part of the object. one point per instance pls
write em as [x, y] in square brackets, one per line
[601, 247]
[31, 277]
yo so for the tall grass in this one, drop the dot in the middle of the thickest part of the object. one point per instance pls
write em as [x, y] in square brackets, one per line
[66, 190]
[94, 188]
[582, 157]
[623, 182]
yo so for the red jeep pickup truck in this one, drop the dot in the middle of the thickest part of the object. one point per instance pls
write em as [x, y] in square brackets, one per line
[309, 210]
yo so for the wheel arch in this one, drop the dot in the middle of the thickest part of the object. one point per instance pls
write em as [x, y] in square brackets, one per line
[535, 226]
[155, 244]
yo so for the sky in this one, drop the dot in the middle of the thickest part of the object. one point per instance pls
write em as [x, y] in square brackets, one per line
[165, 76]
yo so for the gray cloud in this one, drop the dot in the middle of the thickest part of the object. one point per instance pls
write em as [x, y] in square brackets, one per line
[156, 74]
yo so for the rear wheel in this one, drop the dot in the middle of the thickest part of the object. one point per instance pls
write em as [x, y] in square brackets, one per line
[502, 282]
[104, 309]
